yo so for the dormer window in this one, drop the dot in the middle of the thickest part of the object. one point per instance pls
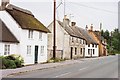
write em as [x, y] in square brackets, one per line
[30, 34]
[40, 35]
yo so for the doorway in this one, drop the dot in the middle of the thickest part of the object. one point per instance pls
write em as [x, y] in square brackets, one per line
[36, 54]
[71, 53]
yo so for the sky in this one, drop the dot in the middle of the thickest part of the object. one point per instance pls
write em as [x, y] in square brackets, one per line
[83, 12]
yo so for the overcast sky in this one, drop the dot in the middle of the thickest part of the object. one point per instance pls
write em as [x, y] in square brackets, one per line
[83, 12]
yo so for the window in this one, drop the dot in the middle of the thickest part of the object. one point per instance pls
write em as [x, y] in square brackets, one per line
[72, 39]
[42, 50]
[88, 51]
[76, 40]
[96, 46]
[83, 42]
[40, 35]
[92, 45]
[75, 51]
[30, 34]
[7, 50]
[80, 41]
[81, 51]
[88, 45]
[29, 50]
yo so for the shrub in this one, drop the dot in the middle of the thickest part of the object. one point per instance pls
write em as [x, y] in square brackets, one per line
[55, 60]
[7, 63]
[17, 59]
[11, 61]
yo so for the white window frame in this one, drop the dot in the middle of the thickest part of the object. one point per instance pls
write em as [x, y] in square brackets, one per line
[29, 48]
[30, 34]
[40, 35]
[42, 50]
[6, 49]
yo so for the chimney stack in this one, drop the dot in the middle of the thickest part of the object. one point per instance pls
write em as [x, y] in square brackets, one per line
[4, 3]
[73, 23]
[66, 21]
[86, 27]
[91, 27]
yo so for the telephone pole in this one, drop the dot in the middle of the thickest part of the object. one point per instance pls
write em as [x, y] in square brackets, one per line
[54, 32]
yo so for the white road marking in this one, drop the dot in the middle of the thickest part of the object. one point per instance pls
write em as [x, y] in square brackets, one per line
[69, 72]
[83, 68]
[63, 74]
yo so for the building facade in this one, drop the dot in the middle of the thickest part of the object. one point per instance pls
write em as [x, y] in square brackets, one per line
[27, 30]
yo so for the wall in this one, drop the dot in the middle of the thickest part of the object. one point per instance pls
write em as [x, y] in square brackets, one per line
[91, 54]
[13, 48]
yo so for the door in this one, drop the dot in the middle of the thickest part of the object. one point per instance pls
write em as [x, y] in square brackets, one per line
[71, 52]
[36, 54]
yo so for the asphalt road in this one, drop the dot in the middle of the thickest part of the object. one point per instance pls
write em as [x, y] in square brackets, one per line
[106, 67]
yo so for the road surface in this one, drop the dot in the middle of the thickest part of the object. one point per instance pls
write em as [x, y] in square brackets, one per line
[105, 67]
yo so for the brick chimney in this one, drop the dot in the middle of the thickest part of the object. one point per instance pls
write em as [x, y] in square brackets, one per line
[66, 20]
[73, 23]
[91, 27]
[4, 3]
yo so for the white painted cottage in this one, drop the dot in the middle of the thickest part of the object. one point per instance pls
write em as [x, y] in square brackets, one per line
[22, 34]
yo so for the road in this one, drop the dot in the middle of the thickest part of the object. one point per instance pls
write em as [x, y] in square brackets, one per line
[106, 67]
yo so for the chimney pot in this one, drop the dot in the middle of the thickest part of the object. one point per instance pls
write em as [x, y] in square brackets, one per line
[73, 23]
[91, 27]
[86, 27]
[66, 20]
[4, 3]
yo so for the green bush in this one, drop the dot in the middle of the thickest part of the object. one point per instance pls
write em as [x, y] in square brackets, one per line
[11, 61]
[55, 60]
[17, 59]
[7, 63]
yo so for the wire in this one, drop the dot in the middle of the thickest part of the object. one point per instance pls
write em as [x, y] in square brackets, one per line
[92, 7]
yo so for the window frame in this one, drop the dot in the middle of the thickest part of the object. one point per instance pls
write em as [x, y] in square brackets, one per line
[42, 50]
[29, 50]
[30, 34]
[75, 50]
[6, 49]
[40, 35]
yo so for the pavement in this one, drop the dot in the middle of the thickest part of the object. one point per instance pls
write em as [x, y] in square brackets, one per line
[37, 67]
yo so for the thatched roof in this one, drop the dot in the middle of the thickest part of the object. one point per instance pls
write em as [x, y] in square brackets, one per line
[6, 35]
[25, 19]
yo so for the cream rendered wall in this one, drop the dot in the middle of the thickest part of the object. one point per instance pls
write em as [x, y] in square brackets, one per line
[61, 38]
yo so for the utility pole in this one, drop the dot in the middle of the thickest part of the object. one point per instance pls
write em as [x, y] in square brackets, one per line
[54, 32]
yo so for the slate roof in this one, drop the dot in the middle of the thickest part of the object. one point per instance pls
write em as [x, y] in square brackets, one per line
[78, 32]
[69, 30]
[25, 19]
[86, 35]
[6, 35]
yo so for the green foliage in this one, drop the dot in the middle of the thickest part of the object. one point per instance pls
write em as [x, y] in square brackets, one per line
[55, 60]
[113, 41]
[11, 61]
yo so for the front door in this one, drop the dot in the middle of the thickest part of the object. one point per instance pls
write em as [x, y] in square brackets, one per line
[71, 52]
[36, 54]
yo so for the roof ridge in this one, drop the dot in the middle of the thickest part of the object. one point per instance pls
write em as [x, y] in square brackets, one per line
[11, 7]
